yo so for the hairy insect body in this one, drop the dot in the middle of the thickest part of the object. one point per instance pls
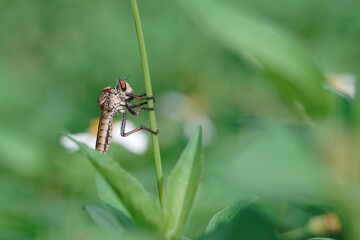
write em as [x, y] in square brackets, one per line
[113, 101]
[104, 134]
[110, 101]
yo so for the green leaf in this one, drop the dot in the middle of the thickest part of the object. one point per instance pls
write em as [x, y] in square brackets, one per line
[112, 202]
[321, 238]
[229, 214]
[294, 168]
[104, 219]
[250, 224]
[269, 48]
[182, 185]
[139, 202]
[184, 238]
[107, 194]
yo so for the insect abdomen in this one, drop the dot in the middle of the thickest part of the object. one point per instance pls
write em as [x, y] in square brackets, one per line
[104, 134]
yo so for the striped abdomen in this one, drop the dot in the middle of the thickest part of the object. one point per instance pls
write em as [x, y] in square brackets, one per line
[104, 133]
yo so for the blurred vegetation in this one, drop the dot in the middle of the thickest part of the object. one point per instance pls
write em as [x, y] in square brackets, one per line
[278, 133]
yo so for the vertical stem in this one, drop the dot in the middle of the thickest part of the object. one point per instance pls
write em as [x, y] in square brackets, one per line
[149, 93]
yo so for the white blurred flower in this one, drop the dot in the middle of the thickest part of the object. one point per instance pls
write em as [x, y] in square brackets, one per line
[191, 109]
[343, 83]
[136, 143]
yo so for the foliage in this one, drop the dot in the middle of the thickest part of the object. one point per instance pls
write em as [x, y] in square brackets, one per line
[138, 203]
[182, 186]
[256, 70]
[229, 214]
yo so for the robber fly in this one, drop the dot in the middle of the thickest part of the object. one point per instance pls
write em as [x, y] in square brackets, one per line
[114, 101]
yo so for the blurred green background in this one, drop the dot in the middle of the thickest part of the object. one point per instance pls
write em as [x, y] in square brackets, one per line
[56, 56]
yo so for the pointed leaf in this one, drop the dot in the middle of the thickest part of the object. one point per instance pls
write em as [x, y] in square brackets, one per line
[229, 214]
[139, 202]
[250, 224]
[107, 194]
[124, 219]
[182, 185]
[112, 202]
[104, 219]
[269, 48]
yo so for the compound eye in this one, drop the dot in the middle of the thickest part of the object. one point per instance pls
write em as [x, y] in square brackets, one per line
[122, 85]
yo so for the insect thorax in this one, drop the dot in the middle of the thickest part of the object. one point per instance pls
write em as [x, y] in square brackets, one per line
[112, 101]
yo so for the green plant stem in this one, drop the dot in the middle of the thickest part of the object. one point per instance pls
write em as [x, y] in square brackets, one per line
[149, 93]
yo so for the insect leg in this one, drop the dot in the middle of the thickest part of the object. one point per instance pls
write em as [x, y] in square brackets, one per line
[129, 108]
[137, 105]
[144, 98]
[141, 97]
[124, 134]
[123, 123]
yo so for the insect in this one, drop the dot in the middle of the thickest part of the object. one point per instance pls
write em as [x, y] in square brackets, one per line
[114, 101]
